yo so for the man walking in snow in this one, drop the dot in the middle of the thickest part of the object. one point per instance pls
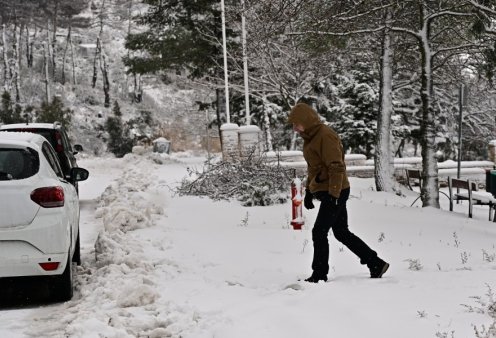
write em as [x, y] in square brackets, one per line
[327, 181]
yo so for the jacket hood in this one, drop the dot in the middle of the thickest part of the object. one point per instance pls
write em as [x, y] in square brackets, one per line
[305, 115]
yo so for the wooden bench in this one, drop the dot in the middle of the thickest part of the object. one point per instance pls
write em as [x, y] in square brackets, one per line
[415, 176]
[471, 194]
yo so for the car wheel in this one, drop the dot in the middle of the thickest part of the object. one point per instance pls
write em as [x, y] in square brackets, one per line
[62, 288]
[77, 252]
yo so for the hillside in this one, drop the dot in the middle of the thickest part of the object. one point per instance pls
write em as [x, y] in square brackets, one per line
[172, 105]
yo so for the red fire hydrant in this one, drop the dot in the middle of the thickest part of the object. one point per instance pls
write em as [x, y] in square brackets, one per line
[296, 199]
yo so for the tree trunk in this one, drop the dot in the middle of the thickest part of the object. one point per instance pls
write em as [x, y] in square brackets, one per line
[129, 26]
[138, 91]
[95, 62]
[430, 188]
[106, 82]
[98, 50]
[65, 53]
[384, 161]
[268, 134]
[19, 44]
[29, 47]
[46, 59]
[49, 45]
[16, 71]
[6, 68]
[54, 40]
[74, 80]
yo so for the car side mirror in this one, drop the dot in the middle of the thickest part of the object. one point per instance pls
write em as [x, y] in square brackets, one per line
[79, 174]
[78, 148]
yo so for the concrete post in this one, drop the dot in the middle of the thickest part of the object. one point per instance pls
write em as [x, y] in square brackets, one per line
[249, 141]
[492, 151]
[230, 142]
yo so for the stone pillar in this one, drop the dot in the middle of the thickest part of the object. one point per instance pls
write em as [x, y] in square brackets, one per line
[249, 142]
[492, 151]
[230, 142]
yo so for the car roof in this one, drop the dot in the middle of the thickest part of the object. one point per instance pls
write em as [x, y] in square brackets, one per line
[21, 140]
[55, 125]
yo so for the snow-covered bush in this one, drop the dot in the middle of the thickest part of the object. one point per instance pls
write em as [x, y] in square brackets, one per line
[252, 182]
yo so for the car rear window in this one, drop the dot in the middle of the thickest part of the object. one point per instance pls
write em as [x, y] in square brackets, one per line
[46, 133]
[17, 164]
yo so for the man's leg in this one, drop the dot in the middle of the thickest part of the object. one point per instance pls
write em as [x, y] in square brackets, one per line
[342, 233]
[326, 216]
[350, 240]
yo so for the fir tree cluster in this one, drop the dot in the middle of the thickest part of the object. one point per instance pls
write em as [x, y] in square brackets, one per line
[47, 112]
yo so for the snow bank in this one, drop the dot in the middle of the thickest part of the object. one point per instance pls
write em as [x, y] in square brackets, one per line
[118, 292]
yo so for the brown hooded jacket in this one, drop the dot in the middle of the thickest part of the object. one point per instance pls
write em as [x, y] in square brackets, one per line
[322, 150]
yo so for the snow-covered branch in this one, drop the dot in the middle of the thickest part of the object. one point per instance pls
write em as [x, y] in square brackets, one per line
[251, 181]
[454, 48]
[329, 33]
[481, 7]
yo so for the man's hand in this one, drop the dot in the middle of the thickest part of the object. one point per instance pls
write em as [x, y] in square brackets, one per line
[307, 202]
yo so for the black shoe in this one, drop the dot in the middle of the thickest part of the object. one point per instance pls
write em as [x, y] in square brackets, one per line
[378, 268]
[315, 278]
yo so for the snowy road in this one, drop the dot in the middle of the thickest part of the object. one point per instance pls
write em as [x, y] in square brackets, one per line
[159, 265]
[19, 318]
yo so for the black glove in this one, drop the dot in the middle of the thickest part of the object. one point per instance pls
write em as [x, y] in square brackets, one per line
[307, 202]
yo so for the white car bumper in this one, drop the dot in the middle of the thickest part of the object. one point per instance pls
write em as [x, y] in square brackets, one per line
[22, 259]
[22, 249]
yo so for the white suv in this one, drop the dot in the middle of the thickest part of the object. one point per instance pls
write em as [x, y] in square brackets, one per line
[39, 208]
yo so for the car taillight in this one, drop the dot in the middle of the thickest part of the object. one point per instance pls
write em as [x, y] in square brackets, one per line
[58, 138]
[49, 266]
[49, 197]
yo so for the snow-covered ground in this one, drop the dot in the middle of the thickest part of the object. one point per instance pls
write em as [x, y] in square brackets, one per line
[159, 265]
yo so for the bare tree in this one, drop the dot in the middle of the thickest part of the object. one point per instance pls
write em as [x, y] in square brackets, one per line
[67, 44]
[29, 47]
[106, 82]
[100, 59]
[74, 80]
[96, 59]
[46, 61]
[16, 72]
[54, 39]
[6, 68]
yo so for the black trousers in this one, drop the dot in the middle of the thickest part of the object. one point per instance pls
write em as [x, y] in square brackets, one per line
[335, 217]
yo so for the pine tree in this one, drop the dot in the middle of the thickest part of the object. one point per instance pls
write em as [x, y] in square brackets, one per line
[181, 35]
[54, 112]
[8, 112]
[119, 142]
[355, 118]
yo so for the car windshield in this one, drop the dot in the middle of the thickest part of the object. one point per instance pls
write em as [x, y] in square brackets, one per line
[18, 164]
